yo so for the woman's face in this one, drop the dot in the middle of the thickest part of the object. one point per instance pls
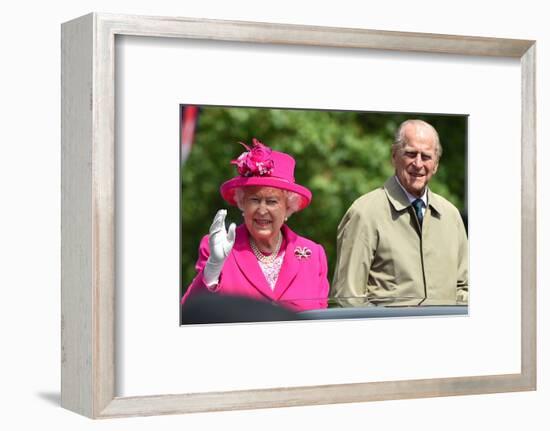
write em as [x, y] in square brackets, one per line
[264, 211]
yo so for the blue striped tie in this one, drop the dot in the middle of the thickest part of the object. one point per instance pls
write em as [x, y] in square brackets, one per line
[418, 204]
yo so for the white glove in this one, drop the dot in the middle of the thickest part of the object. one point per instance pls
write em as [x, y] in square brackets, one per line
[220, 242]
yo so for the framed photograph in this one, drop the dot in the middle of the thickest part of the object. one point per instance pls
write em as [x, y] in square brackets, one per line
[126, 81]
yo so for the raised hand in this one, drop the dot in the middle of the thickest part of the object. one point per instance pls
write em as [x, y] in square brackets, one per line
[220, 243]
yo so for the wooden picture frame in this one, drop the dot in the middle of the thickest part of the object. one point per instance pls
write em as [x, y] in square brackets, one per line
[88, 214]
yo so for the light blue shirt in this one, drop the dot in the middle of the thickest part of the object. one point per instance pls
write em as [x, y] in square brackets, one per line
[412, 198]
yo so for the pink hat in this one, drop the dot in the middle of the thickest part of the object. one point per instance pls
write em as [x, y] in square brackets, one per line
[262, 166]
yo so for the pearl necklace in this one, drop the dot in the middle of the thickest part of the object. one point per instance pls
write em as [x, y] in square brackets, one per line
[263, 258]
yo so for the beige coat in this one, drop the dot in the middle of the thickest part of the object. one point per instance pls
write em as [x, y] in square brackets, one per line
[385, 258]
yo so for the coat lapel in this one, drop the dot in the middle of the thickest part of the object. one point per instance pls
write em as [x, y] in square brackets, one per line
[248, 264]
[396, 195]
[290, 265]
[434, 202]
[400, 202]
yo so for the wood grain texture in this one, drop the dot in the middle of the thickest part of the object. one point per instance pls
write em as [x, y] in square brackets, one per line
[312, 395]
[103, 207]
[529, 219]
[288, 34]
[89, 203]
[76, 216]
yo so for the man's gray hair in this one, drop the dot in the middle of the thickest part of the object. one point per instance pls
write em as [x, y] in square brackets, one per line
[293, 200]
[399, 140]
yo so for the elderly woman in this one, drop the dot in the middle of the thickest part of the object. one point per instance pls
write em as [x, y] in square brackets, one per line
[262, 258]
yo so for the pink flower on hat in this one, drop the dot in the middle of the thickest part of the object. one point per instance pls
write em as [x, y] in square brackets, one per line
[256, 161]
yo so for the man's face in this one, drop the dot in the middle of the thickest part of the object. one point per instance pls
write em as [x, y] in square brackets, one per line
[417, 161]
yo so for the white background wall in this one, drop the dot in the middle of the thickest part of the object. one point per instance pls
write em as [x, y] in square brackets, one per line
[30, 219]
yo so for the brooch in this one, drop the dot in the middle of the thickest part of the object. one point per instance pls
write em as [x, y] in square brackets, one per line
[302, 252]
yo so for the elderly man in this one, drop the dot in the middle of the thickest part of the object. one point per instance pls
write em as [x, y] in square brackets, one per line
[402, 244]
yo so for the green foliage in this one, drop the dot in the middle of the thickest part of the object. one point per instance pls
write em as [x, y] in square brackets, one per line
[340, 155]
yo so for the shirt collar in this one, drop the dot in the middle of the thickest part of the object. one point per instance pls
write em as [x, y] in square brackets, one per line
[412, 198]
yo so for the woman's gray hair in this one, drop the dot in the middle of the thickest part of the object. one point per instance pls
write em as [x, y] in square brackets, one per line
[399, 140]
[293, 200]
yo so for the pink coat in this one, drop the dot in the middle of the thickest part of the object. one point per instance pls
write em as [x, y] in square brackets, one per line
[302, 283]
